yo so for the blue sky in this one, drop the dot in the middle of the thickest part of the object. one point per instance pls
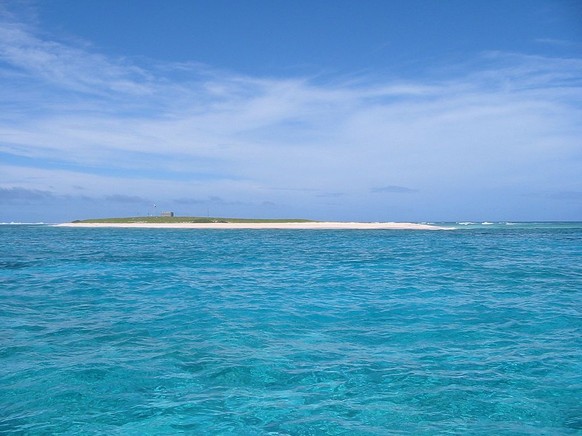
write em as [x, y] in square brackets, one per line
[346, 110]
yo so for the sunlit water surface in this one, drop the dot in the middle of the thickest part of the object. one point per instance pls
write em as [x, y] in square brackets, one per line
[303, 332]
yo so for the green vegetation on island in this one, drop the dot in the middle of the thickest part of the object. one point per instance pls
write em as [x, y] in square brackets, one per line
[187, 219]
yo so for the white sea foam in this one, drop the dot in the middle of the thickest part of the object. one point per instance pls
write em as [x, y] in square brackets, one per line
[14, 223]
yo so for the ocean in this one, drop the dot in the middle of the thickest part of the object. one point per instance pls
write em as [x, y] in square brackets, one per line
[476, 330]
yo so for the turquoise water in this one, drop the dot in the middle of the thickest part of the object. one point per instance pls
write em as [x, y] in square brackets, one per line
[274, 332]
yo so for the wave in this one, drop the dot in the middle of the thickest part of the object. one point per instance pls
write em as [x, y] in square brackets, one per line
[14, 223]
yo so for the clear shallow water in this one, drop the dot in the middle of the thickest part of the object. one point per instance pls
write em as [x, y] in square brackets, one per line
[130, 331]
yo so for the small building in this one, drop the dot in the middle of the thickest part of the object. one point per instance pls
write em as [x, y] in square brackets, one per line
[167, 214]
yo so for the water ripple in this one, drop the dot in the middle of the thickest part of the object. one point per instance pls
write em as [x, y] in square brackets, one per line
[290, 332]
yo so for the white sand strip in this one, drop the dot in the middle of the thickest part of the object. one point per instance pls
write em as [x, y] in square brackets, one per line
[265, 226]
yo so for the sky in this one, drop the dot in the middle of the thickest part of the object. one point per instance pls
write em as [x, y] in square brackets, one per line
[388, 110]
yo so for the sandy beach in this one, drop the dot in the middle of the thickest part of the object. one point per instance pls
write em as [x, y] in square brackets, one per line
[265, 226]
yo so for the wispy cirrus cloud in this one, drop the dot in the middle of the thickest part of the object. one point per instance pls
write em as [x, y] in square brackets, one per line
[65, 66]
[71, 116]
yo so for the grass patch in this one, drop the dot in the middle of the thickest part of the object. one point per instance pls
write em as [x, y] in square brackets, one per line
[188, 219]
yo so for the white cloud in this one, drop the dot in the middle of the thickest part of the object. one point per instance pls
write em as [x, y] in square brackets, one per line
[68, 67]
[116, 128]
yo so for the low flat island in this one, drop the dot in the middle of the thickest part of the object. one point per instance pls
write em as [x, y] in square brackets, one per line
[237, 223]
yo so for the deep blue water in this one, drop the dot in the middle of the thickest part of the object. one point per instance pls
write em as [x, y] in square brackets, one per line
[272, 332]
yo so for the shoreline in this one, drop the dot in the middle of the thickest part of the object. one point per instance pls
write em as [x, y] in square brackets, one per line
[264, 226]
